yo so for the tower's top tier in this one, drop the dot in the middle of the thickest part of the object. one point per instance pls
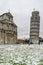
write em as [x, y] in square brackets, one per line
[35, 13]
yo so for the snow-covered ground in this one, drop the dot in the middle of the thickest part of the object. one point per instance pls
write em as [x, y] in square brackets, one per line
[21, 54]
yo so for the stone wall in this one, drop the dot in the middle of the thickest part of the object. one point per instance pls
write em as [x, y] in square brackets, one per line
[8, 30]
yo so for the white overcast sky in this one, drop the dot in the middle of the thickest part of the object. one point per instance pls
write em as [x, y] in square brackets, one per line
[21, 11]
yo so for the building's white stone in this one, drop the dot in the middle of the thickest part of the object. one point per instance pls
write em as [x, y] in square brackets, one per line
[34, 27]
[8, 29]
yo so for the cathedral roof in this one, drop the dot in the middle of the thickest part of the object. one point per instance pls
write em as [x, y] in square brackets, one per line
[8, 14]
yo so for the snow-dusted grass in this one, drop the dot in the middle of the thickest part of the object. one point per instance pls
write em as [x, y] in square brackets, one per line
[21, 54]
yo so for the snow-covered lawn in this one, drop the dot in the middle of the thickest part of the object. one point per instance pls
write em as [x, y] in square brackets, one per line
[21, 54]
